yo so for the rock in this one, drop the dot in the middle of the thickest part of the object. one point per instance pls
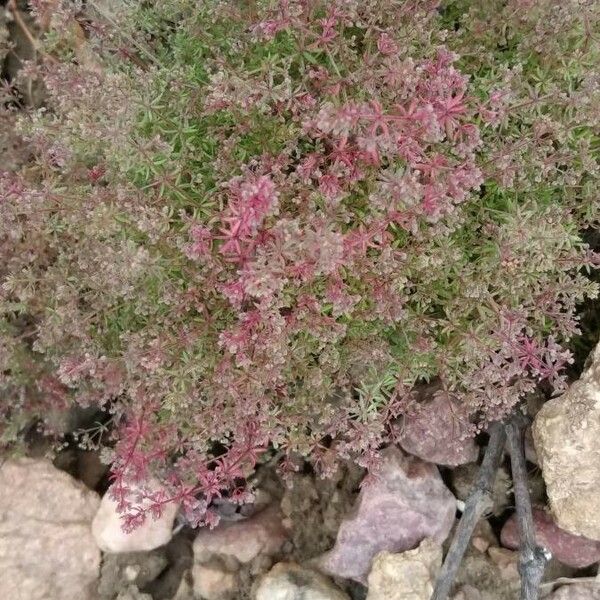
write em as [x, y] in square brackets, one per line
[132, 592]
[410, 575]
[483, 536]
[576, 591]
[47, 551]
[506, 560]
[289, 581]
[244, 540]
[213, 581]
[121, 570]
[438, 431]
[405, 504]
[566, 434]
[572, 550]
[467, 592]
[152, 534]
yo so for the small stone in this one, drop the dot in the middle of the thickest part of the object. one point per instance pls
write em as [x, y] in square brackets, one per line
[410, 575]
[566, 433]
[213, 581]
[507, 562]
[261, 534]
[152, 534]
[576, 591]
[438, 431]
[483, 536]
[405, 504]
[132, 592]
[289, 581]
[47, 551]
[572, 550]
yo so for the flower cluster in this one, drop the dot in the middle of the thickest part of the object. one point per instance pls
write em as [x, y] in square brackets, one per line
[263, 229]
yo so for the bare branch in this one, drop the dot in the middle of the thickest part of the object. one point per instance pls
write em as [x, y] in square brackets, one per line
[479, 500]
[533, 558]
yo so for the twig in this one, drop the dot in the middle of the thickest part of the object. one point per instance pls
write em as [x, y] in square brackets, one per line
[477, 503]
[533, 558]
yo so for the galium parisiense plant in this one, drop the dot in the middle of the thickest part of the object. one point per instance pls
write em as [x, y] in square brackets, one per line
[254, 225]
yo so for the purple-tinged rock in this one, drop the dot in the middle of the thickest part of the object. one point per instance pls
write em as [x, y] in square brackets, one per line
[406, 503]
[569, 549]
[437, 430]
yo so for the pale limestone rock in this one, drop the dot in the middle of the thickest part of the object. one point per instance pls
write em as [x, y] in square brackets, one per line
[289, 581]
[152, 534]
[566, 434]
[47, 551]
[407, 576]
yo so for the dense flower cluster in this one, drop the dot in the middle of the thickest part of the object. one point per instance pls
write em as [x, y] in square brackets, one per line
[261, 228]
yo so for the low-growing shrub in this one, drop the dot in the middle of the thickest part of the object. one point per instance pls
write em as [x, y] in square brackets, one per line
[258, 225]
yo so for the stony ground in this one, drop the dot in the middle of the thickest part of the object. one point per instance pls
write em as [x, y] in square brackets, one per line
[310, 538]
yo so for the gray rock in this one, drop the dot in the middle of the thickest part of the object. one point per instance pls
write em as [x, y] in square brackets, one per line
[47, 551]
[566, 434]
[405, 504]
[289, 581]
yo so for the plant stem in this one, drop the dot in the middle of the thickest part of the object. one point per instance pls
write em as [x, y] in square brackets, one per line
[533, 558]
[479, 500]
